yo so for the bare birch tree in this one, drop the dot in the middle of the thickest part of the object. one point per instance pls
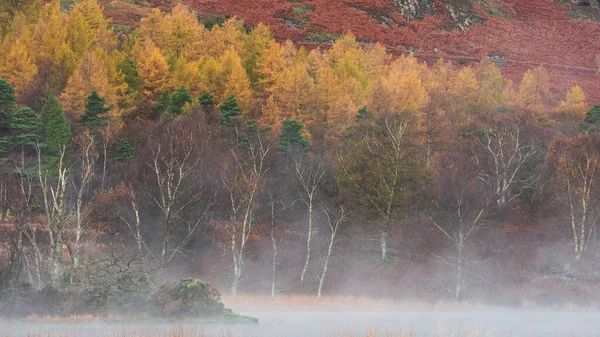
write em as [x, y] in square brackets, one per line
[55, 206]
[504, 157]
[173, 163]
[460, 210]
[87, 159]
[575, 166]
[334, 226]
[309, 175]
[243, 180]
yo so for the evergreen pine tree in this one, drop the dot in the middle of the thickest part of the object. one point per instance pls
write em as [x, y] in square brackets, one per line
[178, 100]
[229, 109]
[591, 123]
[124, 150]
[164, 100]
[57, 131]
[206, 99]
[25, 127]
[95, 112]
[291, 135]
[7, 104]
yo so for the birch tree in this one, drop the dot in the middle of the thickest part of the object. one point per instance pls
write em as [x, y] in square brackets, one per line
[575, 165]
[379, 168]
[334, 225]
[243, 179]
[87, 159]
[178, 169]
[53, 190]
[309, 174]
[460, 210]
[502, 163]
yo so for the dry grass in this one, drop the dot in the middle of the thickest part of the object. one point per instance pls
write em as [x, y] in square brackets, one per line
[130, 8]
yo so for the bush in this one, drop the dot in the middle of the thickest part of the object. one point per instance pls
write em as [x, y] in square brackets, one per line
[190, 297]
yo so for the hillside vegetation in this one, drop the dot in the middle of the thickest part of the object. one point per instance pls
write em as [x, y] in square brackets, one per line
[208, 148]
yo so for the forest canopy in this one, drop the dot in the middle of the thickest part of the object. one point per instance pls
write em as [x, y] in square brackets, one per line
[176, 145]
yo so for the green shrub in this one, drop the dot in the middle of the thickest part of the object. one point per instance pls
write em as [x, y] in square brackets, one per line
[188, 298]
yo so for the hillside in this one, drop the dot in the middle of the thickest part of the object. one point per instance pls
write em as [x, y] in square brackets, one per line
[517, 35]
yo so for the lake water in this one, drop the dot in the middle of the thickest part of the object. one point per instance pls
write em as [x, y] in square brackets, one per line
[301, 323]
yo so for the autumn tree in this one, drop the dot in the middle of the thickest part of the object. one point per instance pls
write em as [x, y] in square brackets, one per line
[573, 106]
[534, 90]
[153, 70]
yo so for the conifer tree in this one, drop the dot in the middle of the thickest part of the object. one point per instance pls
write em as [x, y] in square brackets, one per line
[56, 128]
[178, 100]
[206, 99]
[229, 109]
[291, 135]
[7, 104]
[124, 150]
[25, 127]
[592, 119]
[95, 110]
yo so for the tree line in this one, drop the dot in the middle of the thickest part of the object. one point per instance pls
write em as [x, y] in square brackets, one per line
[175, 141]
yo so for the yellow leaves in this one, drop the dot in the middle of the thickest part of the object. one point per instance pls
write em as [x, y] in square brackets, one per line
[573, 106]
[154, 71]
[156, 28]
[533, 89]
[403, 82]
[270, 65]
[21, 70]
[185, 74]
[87, 27]
[91, 75]
[185, 32]
[50, 32]
[236, 79]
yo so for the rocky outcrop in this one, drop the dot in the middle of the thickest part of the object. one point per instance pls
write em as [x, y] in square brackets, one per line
[461, 11]
[463, 14]
[414, 9]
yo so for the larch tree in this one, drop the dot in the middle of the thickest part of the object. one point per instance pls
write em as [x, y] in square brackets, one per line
[154, 72]
[236, 78]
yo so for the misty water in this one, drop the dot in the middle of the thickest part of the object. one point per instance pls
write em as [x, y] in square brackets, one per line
[299, 323]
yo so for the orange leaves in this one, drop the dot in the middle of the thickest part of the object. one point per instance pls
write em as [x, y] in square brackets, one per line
[154, 71]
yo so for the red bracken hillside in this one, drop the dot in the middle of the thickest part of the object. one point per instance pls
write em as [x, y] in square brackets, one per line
[520, 34]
